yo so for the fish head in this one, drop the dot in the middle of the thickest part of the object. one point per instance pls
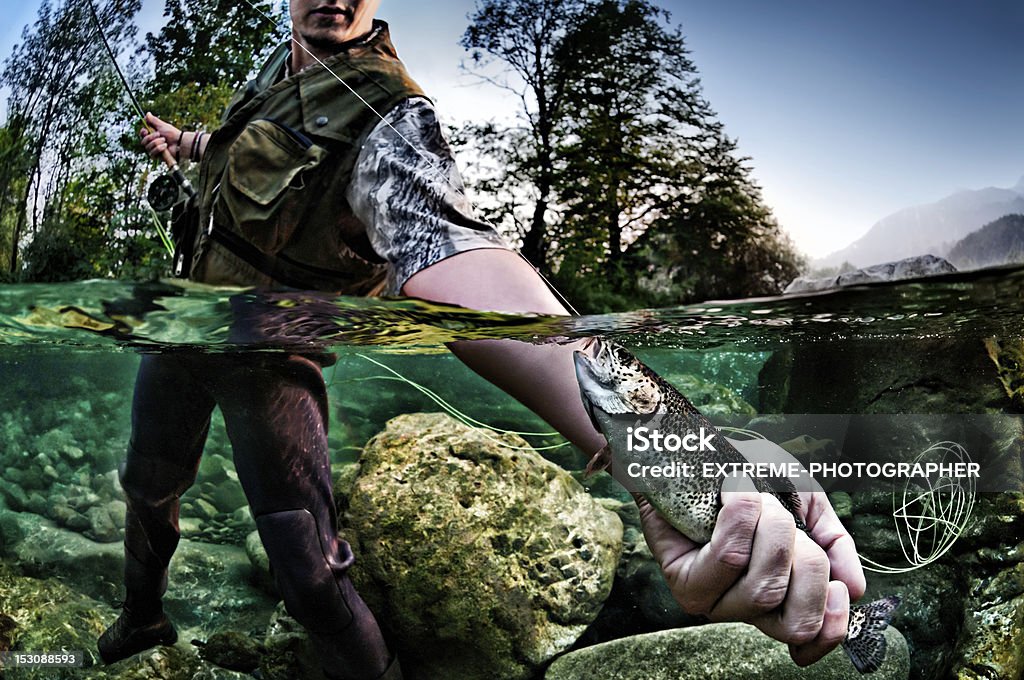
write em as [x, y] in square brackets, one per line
[613, 382]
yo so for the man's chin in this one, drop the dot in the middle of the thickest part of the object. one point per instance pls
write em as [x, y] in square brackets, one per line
[327, 41]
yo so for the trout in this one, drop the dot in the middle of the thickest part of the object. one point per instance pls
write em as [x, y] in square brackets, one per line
[616, 387]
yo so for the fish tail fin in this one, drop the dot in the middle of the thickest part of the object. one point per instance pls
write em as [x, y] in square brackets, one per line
[601, 460]
[865, 639]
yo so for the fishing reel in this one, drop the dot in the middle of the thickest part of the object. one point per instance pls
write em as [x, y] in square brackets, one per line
[163, 193]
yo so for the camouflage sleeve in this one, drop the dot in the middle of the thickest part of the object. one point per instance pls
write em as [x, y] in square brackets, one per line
[407, 191]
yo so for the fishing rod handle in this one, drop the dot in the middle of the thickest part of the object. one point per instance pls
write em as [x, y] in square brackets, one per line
[168, 159]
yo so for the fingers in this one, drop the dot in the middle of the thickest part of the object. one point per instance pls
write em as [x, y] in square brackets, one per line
[668, 546]
[759, 568]
[717, 566]
[159, 136]
[833, 627]
[799, 619]
[158, 124]
[828, 532]
[153, 142]
[764, 585]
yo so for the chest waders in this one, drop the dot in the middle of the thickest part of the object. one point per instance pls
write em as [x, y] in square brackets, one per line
[264, 228]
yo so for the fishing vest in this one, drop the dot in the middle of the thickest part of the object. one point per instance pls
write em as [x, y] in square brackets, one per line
[271, 207]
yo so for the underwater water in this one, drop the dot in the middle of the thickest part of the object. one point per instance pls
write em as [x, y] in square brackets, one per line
[884, 372]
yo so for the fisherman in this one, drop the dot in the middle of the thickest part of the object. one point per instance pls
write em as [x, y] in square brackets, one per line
[307, 185]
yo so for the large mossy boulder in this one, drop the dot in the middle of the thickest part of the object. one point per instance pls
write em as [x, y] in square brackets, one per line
[480, 558]
[719, 651]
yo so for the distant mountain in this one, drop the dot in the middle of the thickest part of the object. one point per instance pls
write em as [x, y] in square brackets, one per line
[999, 242]
[932, 228]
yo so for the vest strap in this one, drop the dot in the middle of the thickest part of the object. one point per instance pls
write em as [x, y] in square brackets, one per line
[280, 268]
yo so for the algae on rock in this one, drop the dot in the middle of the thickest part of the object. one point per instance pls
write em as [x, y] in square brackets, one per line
[717, 651]
[482, 559]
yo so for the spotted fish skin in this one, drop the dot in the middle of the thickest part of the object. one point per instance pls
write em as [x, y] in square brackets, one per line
[613, 383]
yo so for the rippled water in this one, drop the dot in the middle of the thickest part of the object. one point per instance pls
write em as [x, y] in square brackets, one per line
[98, 315]
[68, 353]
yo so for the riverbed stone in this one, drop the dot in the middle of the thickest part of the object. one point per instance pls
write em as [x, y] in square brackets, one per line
[49, 616]
[102, 527]
[992, 645]
[480, 558]
[260, 563]
[720, 651]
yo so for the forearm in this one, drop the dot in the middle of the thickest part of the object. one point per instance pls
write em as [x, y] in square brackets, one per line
[542, 377]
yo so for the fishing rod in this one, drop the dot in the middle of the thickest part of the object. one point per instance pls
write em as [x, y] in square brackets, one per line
[165, 190]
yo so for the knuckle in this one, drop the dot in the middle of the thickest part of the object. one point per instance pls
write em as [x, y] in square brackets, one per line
[818, 565]
[811, 560]
[744, 506]
[732, 552]
[802, 630]
[768, 593]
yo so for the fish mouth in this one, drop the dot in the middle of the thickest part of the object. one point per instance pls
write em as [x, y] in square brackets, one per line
[584, 378]
[588, 379]
[594, 349]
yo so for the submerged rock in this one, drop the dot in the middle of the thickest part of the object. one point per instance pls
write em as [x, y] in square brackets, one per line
[232, 650]
[640, 601]
[993, 643]
[481, 559]
[208, 582]
[717, 402]
[720, 651]
[47, 615]
[909, 268]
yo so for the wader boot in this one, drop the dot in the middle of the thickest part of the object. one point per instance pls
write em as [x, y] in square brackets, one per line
[310, 566]
[142, 623]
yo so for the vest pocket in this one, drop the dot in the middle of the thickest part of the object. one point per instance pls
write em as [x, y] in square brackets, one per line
[269, 168]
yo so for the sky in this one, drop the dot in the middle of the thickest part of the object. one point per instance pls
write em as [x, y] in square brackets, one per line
[849, 111]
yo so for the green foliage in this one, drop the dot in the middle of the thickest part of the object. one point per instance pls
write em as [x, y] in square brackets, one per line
[72, 173]
[641, 196]
[212, 43]
[204, 53]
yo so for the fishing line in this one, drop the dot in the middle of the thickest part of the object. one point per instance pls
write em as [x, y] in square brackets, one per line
[459, 415]
[433, 167]
[161, 231]
[172, 165]
[939, 513]
[117, 68]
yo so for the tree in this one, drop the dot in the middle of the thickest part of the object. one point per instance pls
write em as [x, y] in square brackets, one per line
[55, 78]
[71, 137]
[15, 162]
[646, 197]
[634, 125]
[205, 52]
[522, 36]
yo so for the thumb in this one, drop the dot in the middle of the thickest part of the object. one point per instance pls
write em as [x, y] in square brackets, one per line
[153, 121]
